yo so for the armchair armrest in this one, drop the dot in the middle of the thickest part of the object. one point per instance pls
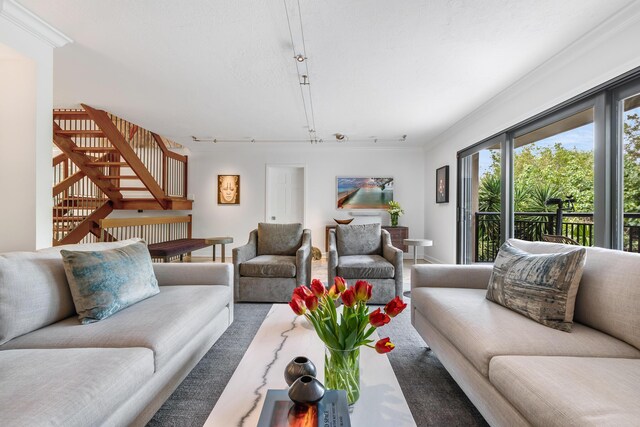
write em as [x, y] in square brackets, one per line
[303, 259]
[394, 256]
[241, 254]
[332, 257]
[475, 276]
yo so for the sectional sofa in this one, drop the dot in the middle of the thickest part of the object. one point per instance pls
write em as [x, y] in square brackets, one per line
[115, 372]
[518, 372]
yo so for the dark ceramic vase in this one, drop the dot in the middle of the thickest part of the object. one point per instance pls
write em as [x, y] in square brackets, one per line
[298, 367]
[306, 390]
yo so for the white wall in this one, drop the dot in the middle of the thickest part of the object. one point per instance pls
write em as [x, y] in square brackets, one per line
[323, 164]
[26, 76]
[606, 52]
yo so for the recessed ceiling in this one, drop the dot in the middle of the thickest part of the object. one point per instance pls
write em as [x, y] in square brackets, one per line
[378, 69]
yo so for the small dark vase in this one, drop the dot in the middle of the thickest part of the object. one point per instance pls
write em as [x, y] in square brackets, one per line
[306, 390]
[298, 367]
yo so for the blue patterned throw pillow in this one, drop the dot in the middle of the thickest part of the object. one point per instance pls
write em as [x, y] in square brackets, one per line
[104, 282]
[542, 287]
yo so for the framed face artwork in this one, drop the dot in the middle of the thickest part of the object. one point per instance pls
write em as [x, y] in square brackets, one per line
[228, 189]
[442, 184]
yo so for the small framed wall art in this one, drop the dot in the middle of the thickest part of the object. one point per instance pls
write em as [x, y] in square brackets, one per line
[228, 189]
[442, 184]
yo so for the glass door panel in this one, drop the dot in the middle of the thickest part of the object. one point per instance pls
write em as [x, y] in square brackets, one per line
[480, 205]
[631, 173]
[553, 181]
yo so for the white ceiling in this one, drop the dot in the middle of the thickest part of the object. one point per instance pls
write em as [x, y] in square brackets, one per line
[378, 68]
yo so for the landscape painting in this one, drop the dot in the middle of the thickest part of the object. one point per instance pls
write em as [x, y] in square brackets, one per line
[363, 193]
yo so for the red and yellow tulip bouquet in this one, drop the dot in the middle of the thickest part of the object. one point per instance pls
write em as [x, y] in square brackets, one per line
[344, 333]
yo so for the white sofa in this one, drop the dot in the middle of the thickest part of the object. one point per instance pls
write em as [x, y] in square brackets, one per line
[519, 372]
[117, 371]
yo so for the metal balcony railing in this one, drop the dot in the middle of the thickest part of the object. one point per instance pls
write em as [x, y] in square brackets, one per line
[532, 225]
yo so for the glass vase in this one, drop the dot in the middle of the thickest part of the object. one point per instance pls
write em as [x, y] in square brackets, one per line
[394, 220]
[342, 371]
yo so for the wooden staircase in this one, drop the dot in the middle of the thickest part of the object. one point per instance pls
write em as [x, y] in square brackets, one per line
[107, 163]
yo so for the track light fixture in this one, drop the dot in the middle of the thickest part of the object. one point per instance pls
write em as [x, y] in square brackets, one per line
[300, 58]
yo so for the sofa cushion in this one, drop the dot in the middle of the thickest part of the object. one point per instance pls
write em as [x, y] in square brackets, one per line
[279, 239]
[542, 287]
[269, 266]
[481, 329]
[365, 267]
[609, 294]
[69, 387]
[359, 239]
[570, 391]
[163, 324]
[33, 292]
[105, 282]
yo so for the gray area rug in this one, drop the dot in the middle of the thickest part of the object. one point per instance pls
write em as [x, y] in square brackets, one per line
[433, 396]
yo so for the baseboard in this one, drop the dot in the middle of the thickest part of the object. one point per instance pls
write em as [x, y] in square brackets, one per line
[432, 260]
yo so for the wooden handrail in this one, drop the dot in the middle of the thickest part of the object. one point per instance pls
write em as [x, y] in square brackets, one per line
[132, 222]
[59, 159]
[166, 151]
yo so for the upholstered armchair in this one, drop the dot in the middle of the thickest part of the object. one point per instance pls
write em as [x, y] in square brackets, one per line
[365, 252]
[276, 259]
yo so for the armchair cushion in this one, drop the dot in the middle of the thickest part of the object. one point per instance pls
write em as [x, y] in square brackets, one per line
[359, 239]
[365, 267]
[269, 266]
[279, 239]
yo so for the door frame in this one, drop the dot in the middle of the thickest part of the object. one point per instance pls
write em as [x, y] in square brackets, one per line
[267, 180]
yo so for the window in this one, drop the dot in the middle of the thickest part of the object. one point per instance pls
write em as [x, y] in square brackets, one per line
[573, 171]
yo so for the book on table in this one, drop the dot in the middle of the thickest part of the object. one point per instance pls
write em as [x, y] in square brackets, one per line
[279, 411]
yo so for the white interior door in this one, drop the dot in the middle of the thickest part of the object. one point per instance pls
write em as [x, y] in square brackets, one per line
[285, 193]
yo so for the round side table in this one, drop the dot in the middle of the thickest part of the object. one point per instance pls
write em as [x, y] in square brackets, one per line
[415, 243]
[218, 241]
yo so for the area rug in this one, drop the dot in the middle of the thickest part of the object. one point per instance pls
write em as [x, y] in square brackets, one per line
[433, 396]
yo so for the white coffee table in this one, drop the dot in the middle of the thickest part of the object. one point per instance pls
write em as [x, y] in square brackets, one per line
[282, 337]
[415, 243]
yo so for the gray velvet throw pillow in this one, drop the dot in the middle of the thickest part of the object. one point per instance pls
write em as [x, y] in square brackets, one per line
[104, 282]
[542, 287]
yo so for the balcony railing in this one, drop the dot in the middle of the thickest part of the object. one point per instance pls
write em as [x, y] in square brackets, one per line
[532, 225]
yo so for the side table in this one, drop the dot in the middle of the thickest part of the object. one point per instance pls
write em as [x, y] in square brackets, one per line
[218, 241]
[415, 243]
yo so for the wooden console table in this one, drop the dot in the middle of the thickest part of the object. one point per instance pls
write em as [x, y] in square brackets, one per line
[398, 234]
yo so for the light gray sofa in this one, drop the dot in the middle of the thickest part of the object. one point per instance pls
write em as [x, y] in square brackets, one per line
[275, 260]
[518, 372]
[115, 372]
[365, 252]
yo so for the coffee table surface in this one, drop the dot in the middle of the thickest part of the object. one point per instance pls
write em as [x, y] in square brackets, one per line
[282, 337]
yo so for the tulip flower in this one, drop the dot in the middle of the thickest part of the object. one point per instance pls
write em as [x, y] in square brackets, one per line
[302, 291]
[297, 305]
[378, 318]
[384, 346]
[318, 289]
[363, 290]
[311, 302]
[334, 293]
[340, 283]
[395, 307]
[349, 297]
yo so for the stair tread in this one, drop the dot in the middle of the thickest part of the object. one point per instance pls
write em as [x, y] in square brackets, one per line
[121, 177]
[108, 164]
[131, 188]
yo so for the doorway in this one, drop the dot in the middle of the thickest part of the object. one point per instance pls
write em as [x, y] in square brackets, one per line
[285, 194]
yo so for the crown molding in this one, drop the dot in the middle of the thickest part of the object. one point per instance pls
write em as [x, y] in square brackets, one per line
[28, 21]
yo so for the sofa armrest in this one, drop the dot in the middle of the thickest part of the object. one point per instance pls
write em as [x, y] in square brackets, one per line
[303, 259]
[395, 256]
[332, 258]
[171, 274]
[475, 276]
